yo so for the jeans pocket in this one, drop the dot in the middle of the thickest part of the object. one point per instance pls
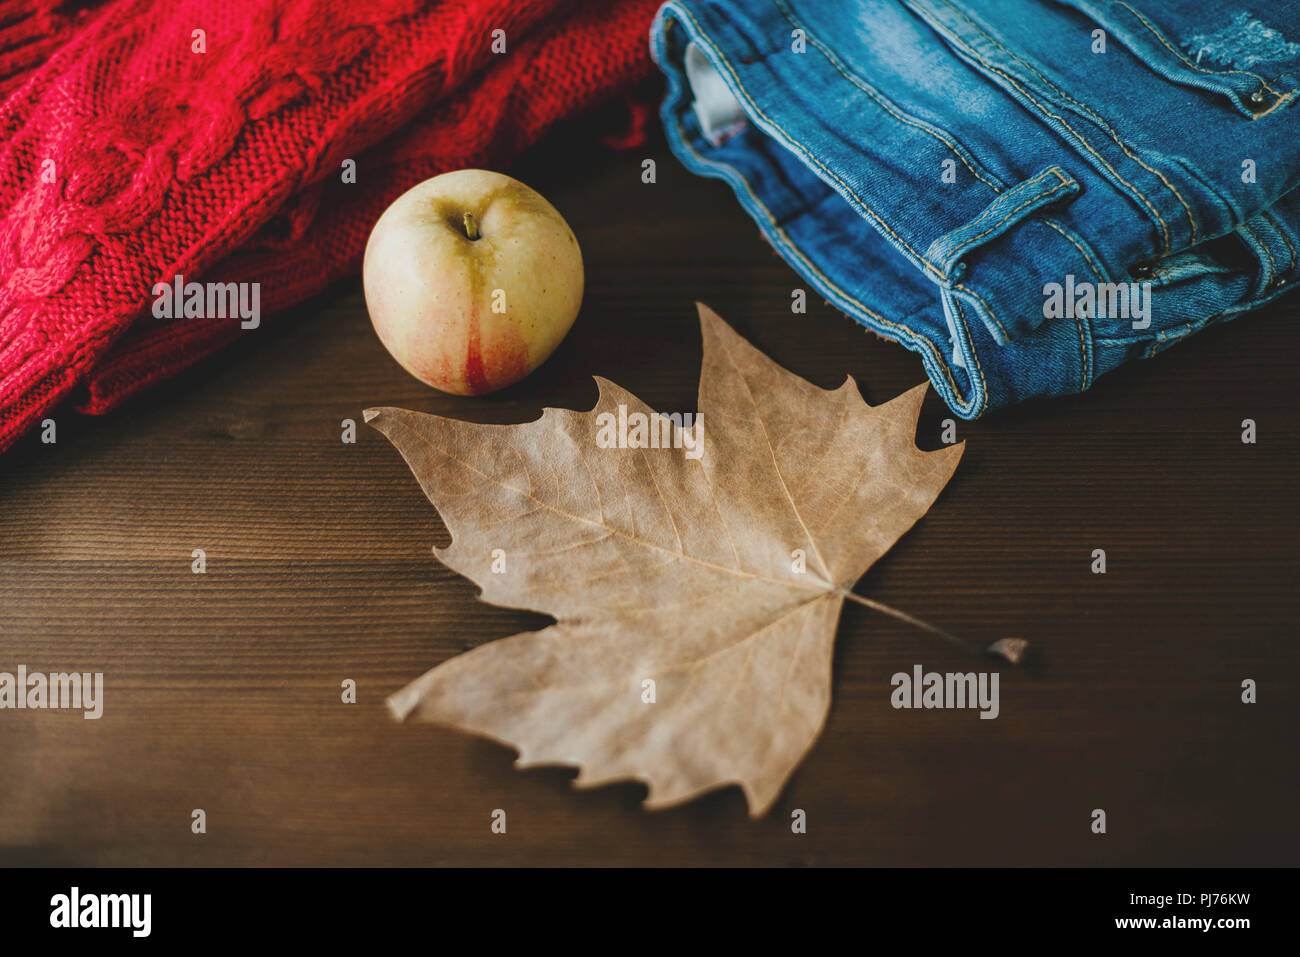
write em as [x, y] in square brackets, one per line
[1238, 54]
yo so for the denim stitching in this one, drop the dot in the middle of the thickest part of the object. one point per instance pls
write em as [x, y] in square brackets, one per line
[862, 85]
[1169, 337]
[1195, 66]
[989, 209]
[1164, 227]
[970, 347]
[740, 87]
[1282, 100]
[875, 217]
[971, 292]
[1277, 225]
[903, 331]
[1272, 263]
[909, 335]
[1040, 197]
[987, 308]
[1084, 350]
[1096, 270]
[963, 405]
[1085, 365]
[865, 88]
[1191, 217]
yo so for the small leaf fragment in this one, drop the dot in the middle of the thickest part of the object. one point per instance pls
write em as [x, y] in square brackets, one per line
[1012, 649]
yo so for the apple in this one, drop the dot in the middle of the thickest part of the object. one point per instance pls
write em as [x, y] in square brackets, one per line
[471, 280]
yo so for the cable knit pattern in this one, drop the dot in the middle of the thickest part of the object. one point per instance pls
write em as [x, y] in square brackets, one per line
[129, 158]
[30, 32]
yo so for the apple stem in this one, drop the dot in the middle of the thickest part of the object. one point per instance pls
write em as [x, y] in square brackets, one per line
[1011, 649]
[471, 226]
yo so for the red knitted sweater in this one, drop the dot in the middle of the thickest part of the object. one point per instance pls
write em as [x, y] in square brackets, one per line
[136, 148]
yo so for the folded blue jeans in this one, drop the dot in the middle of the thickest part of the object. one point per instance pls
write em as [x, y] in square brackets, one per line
[1028, 193]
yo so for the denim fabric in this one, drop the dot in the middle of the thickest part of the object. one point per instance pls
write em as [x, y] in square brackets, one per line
[957, 175]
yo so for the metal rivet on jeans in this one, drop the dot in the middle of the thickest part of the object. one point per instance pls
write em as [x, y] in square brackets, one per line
[1257, 96]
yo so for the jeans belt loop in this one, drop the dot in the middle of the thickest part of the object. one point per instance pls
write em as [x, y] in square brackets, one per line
[1021, 201]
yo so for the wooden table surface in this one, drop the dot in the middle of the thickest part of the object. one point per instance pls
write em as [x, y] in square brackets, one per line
[222, 690]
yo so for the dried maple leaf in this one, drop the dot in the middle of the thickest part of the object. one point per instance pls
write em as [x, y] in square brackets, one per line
[660, 567]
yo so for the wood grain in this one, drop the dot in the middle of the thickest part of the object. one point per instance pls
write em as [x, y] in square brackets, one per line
[222, 690]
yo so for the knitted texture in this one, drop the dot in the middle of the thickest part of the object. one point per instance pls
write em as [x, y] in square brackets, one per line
[130, 158]
[30, 32]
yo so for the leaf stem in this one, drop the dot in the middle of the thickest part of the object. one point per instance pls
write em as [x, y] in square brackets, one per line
[1012, 649]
